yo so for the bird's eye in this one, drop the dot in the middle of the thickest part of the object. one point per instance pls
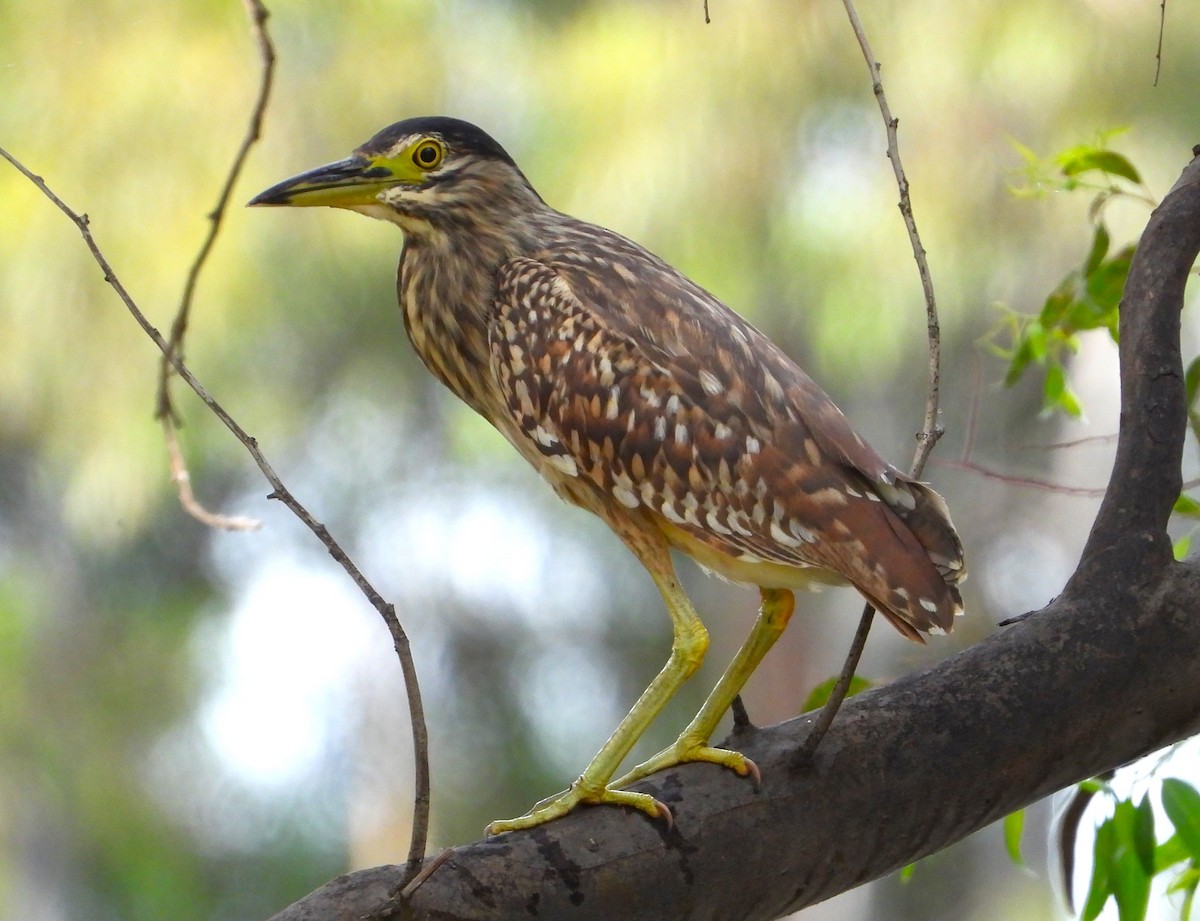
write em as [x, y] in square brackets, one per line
[428, 154]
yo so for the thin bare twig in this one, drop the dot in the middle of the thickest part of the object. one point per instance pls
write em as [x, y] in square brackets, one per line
[281, 492]
[965, 461]
[931, 431]
[1063, 445]
[426, 871]
[972, 425]
[1026, 482]
[1162, 24]
[266, 50]
[164, 409]
[183, 485]
[840, 688]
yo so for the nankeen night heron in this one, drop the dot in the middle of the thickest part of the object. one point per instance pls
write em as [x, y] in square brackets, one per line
[642, 398]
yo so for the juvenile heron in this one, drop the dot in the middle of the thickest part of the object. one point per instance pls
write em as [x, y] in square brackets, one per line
[642, 398]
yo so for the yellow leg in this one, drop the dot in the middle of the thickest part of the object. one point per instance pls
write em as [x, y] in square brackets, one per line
[692, 744]
[687, 651]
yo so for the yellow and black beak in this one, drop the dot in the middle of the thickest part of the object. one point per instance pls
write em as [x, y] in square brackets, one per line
[350, 183]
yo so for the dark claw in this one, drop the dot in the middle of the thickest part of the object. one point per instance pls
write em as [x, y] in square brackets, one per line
[664, 812]
[755, 775]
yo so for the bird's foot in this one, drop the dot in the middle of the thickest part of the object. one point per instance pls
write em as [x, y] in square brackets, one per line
[685, 750]
[580, 793]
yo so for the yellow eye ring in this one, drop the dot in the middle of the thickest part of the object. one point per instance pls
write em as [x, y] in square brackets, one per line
[428, 154]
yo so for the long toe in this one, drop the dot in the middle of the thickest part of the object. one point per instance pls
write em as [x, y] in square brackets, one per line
[683, 752]
[557, 806]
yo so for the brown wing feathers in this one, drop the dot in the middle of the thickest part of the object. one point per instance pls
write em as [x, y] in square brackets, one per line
[682, 408]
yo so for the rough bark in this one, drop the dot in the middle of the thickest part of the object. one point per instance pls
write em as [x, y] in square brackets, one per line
[1104, 674]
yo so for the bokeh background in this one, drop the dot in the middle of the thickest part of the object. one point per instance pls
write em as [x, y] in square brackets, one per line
[200, 725]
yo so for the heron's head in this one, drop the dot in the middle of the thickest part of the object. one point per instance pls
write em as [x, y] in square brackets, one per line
[416, 173]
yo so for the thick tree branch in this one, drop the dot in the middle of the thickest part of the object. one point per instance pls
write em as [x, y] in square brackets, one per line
[1147, 474]
[1104, 674]
[904, 771]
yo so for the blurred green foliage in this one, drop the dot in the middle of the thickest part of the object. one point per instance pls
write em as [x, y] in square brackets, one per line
[818, 696]
[1127, 856]
[1088, 297]
[747, 152]
[1014, 827]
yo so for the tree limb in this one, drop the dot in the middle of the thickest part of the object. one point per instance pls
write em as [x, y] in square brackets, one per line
[1104, 674]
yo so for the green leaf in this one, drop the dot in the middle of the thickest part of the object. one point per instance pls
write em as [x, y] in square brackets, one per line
[1130, 887]
[1021, 357]
[1169, 853]
[1054, 385]
[820, 694]
[1031, 346]
[1099, 889]
[1026, 153]
[1100, 243]
[1088, 313]
[1035, 335]
[1132, 858]
[1181, 548]
[1106, 283]
[1058, 303]
[1181, 803]
[1069, 403]
[1068, 833]
[906, 872]
[1186, 880]
[1186, 505]
[1143, 836]
[1056, 394]
[1014, 824]
[1084, 159]
[1192, 379]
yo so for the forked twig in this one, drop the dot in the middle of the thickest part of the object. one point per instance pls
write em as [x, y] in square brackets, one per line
[164, 409]
[931, 431]
[966, 458]
[281, 492]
